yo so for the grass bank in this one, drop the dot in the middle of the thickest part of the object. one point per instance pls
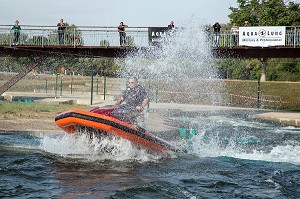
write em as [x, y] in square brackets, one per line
[281, 95]
[35, 110]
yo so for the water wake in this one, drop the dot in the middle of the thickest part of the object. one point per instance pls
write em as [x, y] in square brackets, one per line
[244, 147]
[82, 146]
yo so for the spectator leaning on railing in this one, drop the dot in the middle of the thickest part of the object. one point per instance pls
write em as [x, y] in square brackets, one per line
[121, 30]
[171, 25]
[16, 28]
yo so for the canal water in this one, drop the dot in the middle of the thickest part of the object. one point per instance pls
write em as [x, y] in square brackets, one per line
[231, 155]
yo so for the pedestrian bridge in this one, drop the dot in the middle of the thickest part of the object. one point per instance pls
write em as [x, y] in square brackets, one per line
[99, 41]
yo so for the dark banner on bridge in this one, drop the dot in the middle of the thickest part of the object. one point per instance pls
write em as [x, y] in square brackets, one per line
[157, 34]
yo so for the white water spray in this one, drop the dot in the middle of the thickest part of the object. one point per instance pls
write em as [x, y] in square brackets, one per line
[184, 53]
[81, 146]
[183, 63]
[241, 144]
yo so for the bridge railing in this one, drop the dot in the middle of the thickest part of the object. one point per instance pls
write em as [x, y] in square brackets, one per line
[292, 37]
[72, 36]
[105, 36]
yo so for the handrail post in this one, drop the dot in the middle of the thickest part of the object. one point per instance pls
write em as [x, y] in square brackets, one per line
[60, 86]
[97, 85]
[230, 39]
[72, 83]
[74, 38]
[104, 88]
[42, 36]
[92, 84]
[295, 32]
[56, 85]
[10, 37]
[258, 93]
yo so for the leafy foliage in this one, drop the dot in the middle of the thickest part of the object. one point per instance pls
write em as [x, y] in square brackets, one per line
[263, 13]
[53, 65]
[266, 13]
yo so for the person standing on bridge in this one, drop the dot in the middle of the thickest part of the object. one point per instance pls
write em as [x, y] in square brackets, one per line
[61, 31]
[121, 30]
[16, 28]
[217, 28]
[235, 34]
[171, 25]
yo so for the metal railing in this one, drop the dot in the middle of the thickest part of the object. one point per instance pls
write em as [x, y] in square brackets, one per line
[72, 36]
[105, 36]
[292, 38]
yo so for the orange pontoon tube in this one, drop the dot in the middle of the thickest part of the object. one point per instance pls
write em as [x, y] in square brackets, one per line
[69, 120]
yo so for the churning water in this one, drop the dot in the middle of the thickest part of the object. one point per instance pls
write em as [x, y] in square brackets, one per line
[231, 156]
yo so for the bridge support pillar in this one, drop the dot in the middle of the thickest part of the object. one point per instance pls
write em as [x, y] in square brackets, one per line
[263, 69]
[19, 76]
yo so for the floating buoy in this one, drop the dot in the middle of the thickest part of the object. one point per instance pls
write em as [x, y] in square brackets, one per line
[25, 100]
[187, 133]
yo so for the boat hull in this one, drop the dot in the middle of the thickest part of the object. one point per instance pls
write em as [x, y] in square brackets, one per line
[69, 121]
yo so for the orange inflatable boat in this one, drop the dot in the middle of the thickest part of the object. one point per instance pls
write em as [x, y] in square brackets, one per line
[103, 121]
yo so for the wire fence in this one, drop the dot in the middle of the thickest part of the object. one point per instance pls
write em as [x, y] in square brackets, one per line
[163, 90]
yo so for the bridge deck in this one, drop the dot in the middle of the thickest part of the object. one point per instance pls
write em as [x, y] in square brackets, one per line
[85, 41]
[117, 51]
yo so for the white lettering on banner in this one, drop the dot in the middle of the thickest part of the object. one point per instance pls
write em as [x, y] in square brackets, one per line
[158, 34]
[262, 36]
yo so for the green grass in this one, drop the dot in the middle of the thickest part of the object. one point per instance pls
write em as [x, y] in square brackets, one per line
[287, 92]
[35, 110]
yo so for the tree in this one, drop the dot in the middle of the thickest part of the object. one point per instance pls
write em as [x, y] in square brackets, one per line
[239, 68]
[283, 69]
[266, 13]
[129, 41]
[292, 17]
[246, 11]
[104, 43]
[5, 38]
[73, 35]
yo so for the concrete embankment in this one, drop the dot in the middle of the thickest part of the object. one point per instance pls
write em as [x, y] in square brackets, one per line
[289, 118]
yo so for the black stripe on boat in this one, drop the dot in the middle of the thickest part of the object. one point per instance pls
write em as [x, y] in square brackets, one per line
[140, 133]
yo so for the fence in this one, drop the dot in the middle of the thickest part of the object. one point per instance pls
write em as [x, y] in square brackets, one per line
[72, 36]
[292, 37]
[162, 90]
[106, 36]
